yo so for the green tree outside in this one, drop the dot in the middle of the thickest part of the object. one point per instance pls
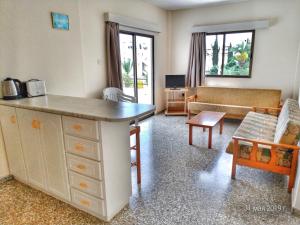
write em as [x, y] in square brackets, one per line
[126, 69]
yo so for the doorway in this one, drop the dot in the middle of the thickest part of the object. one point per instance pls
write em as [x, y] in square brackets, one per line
[137, 60]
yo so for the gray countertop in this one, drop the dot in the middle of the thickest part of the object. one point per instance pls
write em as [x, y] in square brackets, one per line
[88, 108]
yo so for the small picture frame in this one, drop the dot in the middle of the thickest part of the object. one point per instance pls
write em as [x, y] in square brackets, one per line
[60, 21]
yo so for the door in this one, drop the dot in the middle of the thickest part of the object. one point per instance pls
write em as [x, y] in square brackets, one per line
[31, 143]
[12, 142]
[137, 66]
[54, 154]
[42, 141]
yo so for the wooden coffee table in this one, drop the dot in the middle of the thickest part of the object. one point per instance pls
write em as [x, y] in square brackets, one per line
[206, 119]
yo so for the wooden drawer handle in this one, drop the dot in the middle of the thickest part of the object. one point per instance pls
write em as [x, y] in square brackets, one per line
[79, 147]
[85, 202]
[36, 124]
[81, 167]
[77, 127]
[13, 119]
[83, 185]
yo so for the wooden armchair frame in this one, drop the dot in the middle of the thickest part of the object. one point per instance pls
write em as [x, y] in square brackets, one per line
[191, 98]
[267, 110]
[271, 165]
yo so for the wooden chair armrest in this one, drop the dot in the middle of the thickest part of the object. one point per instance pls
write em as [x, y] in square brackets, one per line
[266, 110]
[281, 104]
[191, 98]
[273, 145]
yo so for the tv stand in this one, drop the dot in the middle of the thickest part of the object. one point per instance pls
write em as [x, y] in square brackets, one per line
[176, 101]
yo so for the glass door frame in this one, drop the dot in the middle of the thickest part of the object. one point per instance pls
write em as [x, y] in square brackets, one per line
[134, 34]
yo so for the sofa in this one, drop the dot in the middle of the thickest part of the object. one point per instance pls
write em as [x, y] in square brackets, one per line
[235, 102]
[268, 142]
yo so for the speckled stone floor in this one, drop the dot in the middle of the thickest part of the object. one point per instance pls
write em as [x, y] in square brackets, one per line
[181, 184]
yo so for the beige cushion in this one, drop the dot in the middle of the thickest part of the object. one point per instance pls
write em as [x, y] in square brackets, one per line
[239, 96]
[196, 107]
[257, 126]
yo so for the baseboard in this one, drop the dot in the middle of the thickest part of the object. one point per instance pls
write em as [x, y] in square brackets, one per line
[5, 179]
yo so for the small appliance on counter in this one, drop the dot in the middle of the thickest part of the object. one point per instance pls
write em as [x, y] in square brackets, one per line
[35, 88]
[13, 89]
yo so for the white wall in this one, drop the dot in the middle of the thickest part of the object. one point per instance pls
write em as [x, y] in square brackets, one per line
[297, 77]
[72, 62]
[30, 48]
[275, 52]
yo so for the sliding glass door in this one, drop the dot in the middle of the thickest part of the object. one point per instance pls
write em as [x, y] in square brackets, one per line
[137, 66]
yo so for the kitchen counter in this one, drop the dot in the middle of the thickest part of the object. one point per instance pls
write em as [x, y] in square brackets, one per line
[88, 108]
[75, 149]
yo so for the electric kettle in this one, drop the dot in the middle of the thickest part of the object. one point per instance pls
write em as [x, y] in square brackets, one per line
[11, 89]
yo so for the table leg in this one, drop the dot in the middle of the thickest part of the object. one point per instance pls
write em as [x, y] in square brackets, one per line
[190, 134]
[221, 125]
[209, 137]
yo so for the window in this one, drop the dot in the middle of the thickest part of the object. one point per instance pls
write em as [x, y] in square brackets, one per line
[229, 54]
[137, 59]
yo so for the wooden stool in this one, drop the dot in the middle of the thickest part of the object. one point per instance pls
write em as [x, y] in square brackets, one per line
[135, 130]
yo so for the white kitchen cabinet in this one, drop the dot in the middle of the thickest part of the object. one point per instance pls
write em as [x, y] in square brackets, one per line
[4, 172]
[12, 142]
[43, 135]
[43, 146]
[54, 154]
[31, 143]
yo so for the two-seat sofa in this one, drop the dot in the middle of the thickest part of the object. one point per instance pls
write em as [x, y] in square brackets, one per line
[235, 102]
[268, 142]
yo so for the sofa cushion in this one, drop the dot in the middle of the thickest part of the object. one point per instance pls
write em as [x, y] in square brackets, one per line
[288, 126]
[196, 107]
[239, 96]
[259, 127]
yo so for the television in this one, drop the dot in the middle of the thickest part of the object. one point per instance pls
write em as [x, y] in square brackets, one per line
[175, 81]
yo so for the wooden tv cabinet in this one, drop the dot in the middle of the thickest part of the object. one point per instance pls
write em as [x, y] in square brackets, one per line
[176, 101]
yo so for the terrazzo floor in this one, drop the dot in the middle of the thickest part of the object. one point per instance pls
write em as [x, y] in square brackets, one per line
[181, 184]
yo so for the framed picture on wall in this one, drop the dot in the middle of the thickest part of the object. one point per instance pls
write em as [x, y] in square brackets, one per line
[60, 21]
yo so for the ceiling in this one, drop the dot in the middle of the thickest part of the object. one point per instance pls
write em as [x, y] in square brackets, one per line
[184, 4]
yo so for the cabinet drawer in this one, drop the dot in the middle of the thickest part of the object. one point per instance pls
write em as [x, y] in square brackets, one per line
[82, 147]
[86, 184]
[84, 166]
[87, 202]
[81, 127]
